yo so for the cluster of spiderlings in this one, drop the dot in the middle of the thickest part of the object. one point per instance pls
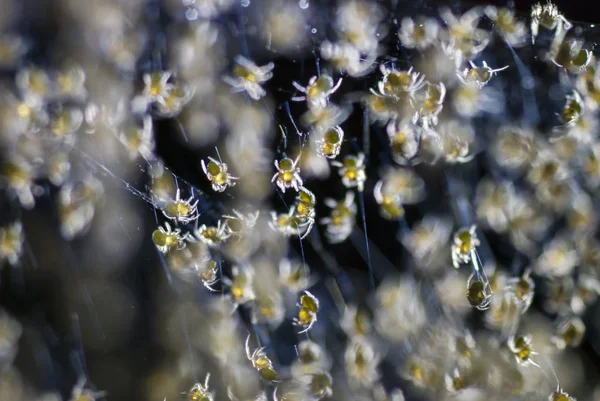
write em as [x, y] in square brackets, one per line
[476, 180]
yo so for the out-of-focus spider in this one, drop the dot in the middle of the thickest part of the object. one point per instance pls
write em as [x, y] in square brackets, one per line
[80, 393]
[479, 76]
[288, 174]
[247, 76]
[549, 17]
[217, 174]
[167, 238]
[318, 90]
[199, 391]
[182, 211]
[238, 223]
[11, 242]
[341, 221]
[156, 86]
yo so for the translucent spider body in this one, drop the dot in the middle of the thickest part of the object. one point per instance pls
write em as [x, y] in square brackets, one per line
[390, 205]
[200, 392]
[352, 171]
[65, 122]
[522, 288]
[34, 83]
[295, 276]
[217, 174]
[240, 285]
[320, 385]
[424, 240]
[237, 223]
[431, 104]
[521, 348]
[345, 57]
[248, 77]
[166, 238]
[208, 273]
[397, 83]
[342, 218]
[361, 362]
[513, 31]
[261, 362]
[307, 314]
[549, 17]
[463, 39]
[288, 174]
[479, 76]
[421, 33]
[210, 235]
[80, 393]
[464, 246]
[172, 104]
[404, 141]
[156, 86]
[138, 140]
[479, 292]
[182, 211]
[70, 83]
[318, 90]
[17, 174]
[570, 333]
[11, 242]
[330, 144]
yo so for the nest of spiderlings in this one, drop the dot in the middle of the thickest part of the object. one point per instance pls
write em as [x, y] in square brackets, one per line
[247, 201]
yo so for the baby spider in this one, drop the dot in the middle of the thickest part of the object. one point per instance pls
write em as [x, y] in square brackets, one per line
[330, 144]
[210, 235]
[318, 90]
[165, 239]
[342, 218]
[390, 204]
[573, 110]
[397, 83]
[479, 76]
[307, 315]
[261, 362]
[560, 395]
[217, 174]
[456, 381]
[479, 292]
[238, 223]
[182, 211]
[79, 393]
[570, 333]
[464, 246]
[208, 274]
[352, 171]
[247, 76]
[404, 141]
[549, 17]
[156, 86]
[522, 289]
[240, 285]
[199, 392]
[11, 242]
[288, 174]
[521, 348]
[570, 54]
